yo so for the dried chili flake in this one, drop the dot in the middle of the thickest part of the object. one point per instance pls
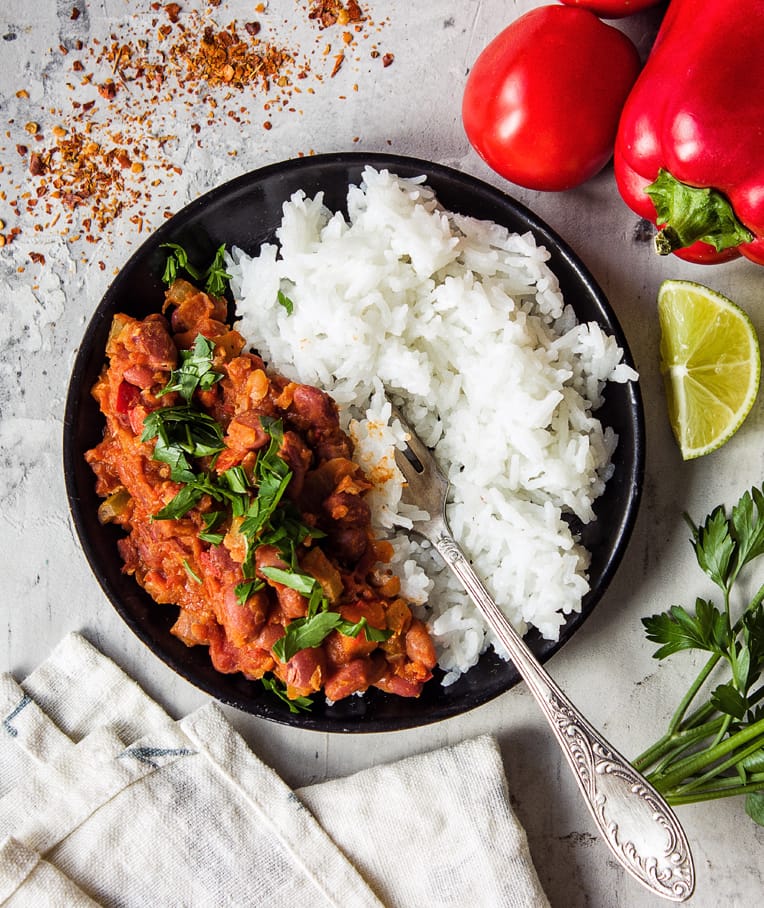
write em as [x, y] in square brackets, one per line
[338, 61]
[36, 165]
[108, 90]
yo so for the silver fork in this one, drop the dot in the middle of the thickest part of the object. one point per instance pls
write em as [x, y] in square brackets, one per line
[637, 824]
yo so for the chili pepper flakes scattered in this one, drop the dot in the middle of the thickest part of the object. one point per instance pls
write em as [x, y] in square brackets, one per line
[110, 153]
[334, 12]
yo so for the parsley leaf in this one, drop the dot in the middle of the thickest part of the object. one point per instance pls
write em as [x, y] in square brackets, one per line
[727, 699]
[715, 548]
[211, 520]
[182, 432]
[678, 630]
[303, 583]
[214, 278]
[298, 704]
[304, 633]
[195, 370]
[190, 571]
[177, 259]
[244, 590]
[748, 527]
[286, 302]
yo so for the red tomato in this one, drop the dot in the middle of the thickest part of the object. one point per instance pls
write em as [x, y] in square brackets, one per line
[613, 9]
[542, 101]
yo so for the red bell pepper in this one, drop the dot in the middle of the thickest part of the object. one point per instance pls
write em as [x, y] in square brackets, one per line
[613, 9]
[127, 397]
[689, 153]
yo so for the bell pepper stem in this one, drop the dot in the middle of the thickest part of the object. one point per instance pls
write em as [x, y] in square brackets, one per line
[667, 240]
[692, 214]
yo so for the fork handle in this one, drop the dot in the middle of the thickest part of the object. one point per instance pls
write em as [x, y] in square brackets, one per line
[637, 824]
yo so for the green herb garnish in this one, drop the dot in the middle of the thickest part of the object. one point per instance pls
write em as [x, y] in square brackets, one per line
[182, 432]
[211, 520]
[185, 432]
[299, 704]
[717, 750]
[190, 571]
[285, 301]
[244, 590]
[195, 370]
[311, 631]
[214, 278]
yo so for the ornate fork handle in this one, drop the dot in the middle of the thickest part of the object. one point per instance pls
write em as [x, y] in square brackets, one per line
[635, 821]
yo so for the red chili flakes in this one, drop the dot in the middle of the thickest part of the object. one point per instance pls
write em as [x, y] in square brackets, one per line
[223, 58]
[387, 59]
[108, 90]
[84, 174]
[334, 12]
[37, 257]
[338, 61]
[36, 164]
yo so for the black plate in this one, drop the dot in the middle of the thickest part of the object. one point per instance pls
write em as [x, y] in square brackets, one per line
[246, 212]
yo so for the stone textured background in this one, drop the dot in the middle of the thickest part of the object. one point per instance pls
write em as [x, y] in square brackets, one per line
[51, 281]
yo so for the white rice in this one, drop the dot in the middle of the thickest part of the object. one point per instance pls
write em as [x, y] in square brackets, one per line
[464, 326]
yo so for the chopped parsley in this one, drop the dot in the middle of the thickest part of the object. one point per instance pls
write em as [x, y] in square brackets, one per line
[182, 432]
[285, 301]
[195, 370]
[214, 279]
[298, 704]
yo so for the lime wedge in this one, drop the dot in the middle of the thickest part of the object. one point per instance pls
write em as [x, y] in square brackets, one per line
[710, 363]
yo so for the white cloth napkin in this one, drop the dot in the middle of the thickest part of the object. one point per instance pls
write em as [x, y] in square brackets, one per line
[105, 800]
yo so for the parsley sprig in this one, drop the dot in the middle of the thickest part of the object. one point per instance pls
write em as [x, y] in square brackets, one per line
[717, 750]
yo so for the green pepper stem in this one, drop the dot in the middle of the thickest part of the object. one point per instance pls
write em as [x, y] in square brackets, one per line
[691, 214]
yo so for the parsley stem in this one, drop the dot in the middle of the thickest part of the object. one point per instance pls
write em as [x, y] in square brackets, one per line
[720, 768]
[722, 731]
[672, 744]
[681, 741]
[685, 768]
[755, 602]
[684, 704]
[723, 788]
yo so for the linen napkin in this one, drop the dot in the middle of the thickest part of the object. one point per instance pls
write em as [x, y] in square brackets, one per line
[105, 800]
